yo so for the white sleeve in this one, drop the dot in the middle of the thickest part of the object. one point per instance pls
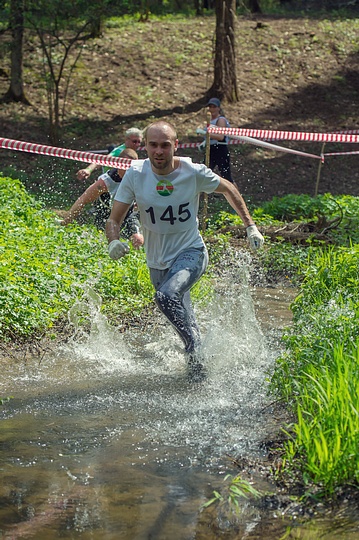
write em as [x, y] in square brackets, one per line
[208, 181]
[125, 192]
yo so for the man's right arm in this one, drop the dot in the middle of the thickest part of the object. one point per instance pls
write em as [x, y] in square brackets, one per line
[114, 222]
[116, 248]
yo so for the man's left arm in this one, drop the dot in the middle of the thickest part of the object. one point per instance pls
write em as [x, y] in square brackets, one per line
[236, 201]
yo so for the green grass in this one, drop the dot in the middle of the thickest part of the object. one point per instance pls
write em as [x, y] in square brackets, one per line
[236, 489]
[326, 434]
[319, 372]
[45, 269]
[317, 376]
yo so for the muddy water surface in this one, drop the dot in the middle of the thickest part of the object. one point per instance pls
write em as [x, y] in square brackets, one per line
[105, 438]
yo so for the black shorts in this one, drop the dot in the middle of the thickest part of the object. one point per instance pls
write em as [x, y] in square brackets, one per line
[219, 156]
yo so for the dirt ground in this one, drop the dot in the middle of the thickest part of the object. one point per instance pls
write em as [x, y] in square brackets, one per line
[294, 74]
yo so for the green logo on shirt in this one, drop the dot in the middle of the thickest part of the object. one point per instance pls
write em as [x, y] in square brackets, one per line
[164, 188]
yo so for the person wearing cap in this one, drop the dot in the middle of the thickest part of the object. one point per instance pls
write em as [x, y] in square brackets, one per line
[219, 155]
[167, 189]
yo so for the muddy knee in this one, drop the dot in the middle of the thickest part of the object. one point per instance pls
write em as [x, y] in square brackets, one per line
[165, 302]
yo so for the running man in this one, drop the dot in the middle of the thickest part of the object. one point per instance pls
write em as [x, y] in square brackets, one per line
[166, 189]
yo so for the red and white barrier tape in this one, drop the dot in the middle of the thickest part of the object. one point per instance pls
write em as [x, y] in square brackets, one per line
[340, 153]
[238, 135]
[271, 146]
[181, 145]
[88, 157]
[286, 135]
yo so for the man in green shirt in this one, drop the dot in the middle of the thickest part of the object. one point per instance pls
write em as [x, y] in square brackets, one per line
[133, 139]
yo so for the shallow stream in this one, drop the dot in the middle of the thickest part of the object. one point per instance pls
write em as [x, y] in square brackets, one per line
[104, 438]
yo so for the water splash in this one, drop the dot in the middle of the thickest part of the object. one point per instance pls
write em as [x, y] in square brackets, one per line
[139, 376]
[95, 341]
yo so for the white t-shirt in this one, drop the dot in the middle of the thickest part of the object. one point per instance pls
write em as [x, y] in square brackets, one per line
[111, 185]
[168, 206]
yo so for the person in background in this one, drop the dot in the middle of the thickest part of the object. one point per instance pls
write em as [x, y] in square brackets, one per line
[133, 139]
[219, 152]
[108, 182]
[166, 189]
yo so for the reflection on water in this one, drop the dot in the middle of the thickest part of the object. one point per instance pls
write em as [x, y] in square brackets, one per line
[105, 437]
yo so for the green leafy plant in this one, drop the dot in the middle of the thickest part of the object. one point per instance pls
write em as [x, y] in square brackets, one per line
[5, 400]
[284, 262]
[44, 268]
[236, 489]
[338, 215]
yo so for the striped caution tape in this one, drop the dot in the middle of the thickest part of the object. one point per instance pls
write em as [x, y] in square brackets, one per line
[88, 157]
[344, 137]
[258, 137]
[271, 146]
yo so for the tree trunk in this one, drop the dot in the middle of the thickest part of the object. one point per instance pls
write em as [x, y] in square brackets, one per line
[254, 6]
[144, 11]
[198, 7]
[96, 28]
[225, 78]
[16, 90]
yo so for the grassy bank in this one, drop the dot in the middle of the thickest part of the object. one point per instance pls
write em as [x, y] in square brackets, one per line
[319, 374]
[317, 377]
[46, 268]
